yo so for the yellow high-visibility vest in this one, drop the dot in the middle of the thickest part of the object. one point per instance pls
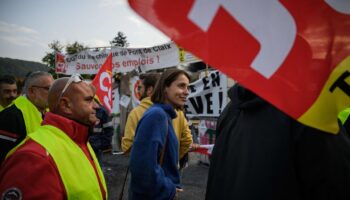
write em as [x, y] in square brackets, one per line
[77, 173]
[31, 115]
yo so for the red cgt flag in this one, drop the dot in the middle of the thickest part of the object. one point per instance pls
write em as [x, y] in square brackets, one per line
[295, 54]
[103, 83]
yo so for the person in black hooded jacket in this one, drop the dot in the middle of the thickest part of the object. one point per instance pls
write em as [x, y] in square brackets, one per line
[261, 153]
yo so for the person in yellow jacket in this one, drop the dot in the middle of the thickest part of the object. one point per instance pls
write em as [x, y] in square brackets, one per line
[56, 161]
[25, 113]
[180, 123]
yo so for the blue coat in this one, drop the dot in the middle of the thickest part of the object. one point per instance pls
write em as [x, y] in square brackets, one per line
[149, 179]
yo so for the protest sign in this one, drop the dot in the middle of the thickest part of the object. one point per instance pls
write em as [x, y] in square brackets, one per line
[207, 96]
[123, 59]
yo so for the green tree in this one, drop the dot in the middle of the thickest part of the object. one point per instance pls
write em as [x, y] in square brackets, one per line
[120, 40]
[49, 58]
[74, 48]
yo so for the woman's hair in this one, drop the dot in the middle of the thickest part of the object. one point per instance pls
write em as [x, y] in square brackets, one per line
[167, 78]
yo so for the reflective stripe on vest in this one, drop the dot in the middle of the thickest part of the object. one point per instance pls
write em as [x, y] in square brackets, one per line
[31, 115]
[77, 173]
[343, 115]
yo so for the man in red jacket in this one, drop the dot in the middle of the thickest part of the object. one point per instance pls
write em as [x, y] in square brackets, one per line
[56, 161]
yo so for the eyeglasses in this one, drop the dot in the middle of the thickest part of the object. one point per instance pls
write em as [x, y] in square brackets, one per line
[42, 87]
[75, 78]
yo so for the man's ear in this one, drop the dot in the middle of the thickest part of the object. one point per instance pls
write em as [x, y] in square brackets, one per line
[30, 91]
[65, 106]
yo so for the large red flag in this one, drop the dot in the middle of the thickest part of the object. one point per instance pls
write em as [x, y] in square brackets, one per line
[103, 83]
[295, 54]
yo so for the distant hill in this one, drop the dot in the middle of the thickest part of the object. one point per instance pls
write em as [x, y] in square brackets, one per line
[20, 68]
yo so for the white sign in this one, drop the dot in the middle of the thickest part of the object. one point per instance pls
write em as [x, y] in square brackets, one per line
[124, 101]
[207, 96]
[115, 100]
[123, 59]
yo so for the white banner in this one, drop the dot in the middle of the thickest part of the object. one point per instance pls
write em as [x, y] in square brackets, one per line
[207, 96]
[123, 59]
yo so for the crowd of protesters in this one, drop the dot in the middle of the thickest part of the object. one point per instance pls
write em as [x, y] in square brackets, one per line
[53, 135]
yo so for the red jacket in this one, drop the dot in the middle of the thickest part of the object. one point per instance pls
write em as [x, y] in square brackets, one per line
[31, 173]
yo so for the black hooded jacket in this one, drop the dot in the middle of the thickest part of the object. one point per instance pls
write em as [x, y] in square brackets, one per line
[261, 153]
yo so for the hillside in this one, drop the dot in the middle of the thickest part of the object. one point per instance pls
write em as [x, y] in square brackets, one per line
[19, 68]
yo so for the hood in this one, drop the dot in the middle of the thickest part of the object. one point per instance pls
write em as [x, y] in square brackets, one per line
[243, 98]
[168, 109]
[146, 103]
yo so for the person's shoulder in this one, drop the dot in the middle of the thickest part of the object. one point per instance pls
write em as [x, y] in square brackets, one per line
[11, 111]
[32, 162]
[31, 147]
[155, 110]
[144, 105]
[180, 113]
[29, 152]
[14, 107]
[138, 109]
[21, 100]
[137, 112]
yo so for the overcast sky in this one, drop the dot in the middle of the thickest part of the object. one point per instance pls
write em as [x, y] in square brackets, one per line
[28, 26]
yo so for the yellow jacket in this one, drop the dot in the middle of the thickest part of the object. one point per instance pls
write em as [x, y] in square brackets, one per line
[180, 124]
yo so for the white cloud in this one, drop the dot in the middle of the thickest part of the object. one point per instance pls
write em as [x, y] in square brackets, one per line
[17, 40]
[19, 35]
[112, 3]
[14, 28]
[138, 21]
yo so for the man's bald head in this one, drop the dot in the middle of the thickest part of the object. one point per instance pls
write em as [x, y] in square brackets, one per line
[75, 103]
[55, 92]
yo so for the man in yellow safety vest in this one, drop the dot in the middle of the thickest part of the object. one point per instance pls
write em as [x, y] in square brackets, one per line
[25, 113]
[56, 161]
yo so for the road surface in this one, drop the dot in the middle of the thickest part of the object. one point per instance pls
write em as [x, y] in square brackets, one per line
[194, 177]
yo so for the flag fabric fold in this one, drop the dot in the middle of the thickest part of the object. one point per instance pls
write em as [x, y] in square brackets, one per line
[294, 54]
[103, 83]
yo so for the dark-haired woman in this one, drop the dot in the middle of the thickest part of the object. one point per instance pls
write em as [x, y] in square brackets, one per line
[154, 156]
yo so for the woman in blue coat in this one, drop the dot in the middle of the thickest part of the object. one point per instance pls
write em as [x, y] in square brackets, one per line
[154, 155]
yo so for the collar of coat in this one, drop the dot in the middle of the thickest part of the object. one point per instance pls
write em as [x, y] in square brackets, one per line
[76, 131]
